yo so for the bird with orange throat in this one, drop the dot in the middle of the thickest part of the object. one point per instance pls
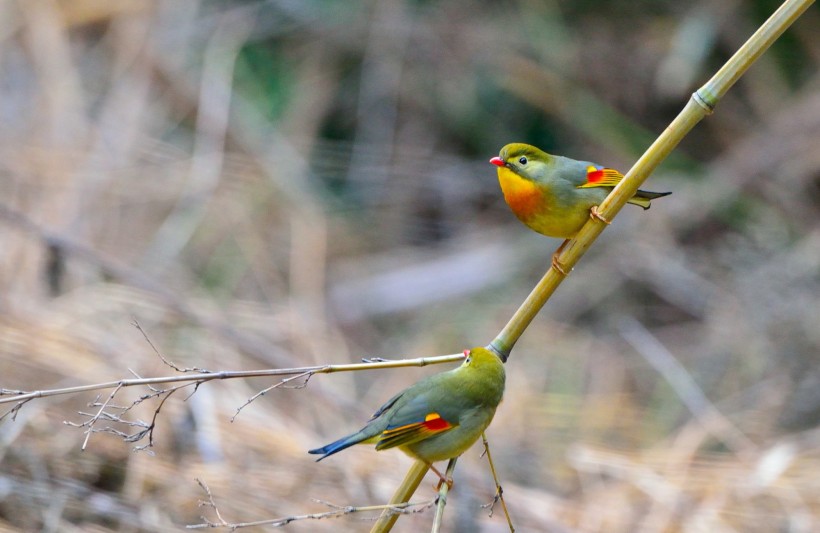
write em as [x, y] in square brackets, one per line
[555, 195]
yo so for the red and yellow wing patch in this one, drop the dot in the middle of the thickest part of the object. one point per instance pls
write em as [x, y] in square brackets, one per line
[602, 177]
[409, 433]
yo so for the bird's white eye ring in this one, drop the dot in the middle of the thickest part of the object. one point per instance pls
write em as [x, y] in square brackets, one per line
[522, 160]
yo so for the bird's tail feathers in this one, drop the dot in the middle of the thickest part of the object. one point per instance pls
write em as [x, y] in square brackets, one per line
[339, 445]
[642, 198]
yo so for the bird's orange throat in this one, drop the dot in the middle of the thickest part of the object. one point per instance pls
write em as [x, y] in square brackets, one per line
[523, 196]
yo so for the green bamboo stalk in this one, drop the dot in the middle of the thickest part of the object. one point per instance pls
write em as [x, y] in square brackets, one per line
[402, 495]
[702, 103]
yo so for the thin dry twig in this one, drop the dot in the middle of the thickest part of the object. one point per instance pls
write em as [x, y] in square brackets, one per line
[212, 504]
[164, 359]
[499, 491]
[116, 413]
[93, 420]
[281, 384]
[23, 396]
[335, 512]
[15, 409]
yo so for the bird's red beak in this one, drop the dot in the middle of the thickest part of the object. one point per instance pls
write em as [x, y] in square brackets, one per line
[497, 161]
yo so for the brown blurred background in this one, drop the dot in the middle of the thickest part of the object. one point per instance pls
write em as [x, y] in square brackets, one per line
[282, 183]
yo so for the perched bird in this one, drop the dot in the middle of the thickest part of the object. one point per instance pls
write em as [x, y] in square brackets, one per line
[555, 195]
[437, 418]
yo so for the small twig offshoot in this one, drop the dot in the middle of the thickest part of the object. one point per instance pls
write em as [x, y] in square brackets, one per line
[164, 359]
[284, 383]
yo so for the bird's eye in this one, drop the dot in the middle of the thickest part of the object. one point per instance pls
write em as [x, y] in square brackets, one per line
[522, 160]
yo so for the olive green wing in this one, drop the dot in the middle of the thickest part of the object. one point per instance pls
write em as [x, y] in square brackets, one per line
[417, 419]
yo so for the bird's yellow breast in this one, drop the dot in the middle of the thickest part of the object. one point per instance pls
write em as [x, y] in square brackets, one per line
[523, 196]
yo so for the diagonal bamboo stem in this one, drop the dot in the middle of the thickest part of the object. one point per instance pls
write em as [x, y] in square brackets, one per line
[402, 495]
[702, 103]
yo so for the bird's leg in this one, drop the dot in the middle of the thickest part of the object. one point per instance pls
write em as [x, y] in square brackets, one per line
[557, 264]
[595, 214]
[441, 479]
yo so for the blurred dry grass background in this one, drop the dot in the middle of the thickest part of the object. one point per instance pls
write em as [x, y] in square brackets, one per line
[283, 183]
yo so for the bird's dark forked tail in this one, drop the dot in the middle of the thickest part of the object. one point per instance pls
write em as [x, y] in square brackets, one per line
[642, 198]
[333, 447]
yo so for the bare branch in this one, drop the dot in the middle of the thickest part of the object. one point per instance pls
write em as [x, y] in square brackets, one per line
[212, 504]
[110, 412]
[115, 413]
[21, 396]
[335, 512]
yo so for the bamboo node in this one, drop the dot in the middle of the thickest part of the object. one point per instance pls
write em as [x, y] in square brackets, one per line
[703, 102]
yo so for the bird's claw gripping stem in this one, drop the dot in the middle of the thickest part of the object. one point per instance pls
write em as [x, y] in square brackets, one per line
[595, 214]
[442, 479]
[556, 264]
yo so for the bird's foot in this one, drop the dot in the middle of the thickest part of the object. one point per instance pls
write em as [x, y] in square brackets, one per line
[556, 264]
[442, 479]
[595, 214]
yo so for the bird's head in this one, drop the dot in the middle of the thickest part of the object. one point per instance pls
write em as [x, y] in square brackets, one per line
[480, 358]
[483, 374]
[525, 160]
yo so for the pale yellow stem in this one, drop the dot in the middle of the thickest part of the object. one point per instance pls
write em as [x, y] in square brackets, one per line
[403, 493]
